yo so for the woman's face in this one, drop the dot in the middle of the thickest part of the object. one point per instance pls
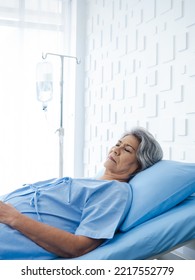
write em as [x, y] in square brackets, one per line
[122, 160]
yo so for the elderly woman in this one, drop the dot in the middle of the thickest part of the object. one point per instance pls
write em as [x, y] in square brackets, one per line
[69, 217]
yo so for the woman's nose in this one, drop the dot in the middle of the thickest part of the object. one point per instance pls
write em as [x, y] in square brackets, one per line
[116, 150]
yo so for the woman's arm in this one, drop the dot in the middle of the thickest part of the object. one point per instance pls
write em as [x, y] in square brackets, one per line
[57, 241]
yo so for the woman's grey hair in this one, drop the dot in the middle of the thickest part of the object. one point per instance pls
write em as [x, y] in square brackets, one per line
[149, 151]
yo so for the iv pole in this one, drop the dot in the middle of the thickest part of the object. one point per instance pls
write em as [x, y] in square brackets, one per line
[60, 130]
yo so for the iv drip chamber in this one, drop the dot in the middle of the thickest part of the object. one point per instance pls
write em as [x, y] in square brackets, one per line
[44, 83]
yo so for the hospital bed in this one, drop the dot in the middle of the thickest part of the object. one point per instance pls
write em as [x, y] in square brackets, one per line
[154, 239]
[160, 218]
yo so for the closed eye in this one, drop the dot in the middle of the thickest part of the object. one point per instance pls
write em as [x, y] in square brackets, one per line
[127, 148]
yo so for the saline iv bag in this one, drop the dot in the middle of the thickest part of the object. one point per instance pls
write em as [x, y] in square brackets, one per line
[44, 83]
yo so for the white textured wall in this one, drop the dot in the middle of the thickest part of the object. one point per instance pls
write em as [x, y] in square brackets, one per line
[140, 70]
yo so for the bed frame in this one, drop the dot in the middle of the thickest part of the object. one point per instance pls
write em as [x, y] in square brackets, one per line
[178, 252]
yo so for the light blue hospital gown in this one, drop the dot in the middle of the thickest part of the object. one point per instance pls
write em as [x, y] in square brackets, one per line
[89, 207]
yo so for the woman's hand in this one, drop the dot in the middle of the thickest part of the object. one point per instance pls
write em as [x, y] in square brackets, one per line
[8, 213]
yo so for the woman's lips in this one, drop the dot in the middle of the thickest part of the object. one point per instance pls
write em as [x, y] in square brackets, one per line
[112, 159]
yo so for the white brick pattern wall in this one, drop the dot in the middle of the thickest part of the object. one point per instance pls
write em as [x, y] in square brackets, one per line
[140, 70]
